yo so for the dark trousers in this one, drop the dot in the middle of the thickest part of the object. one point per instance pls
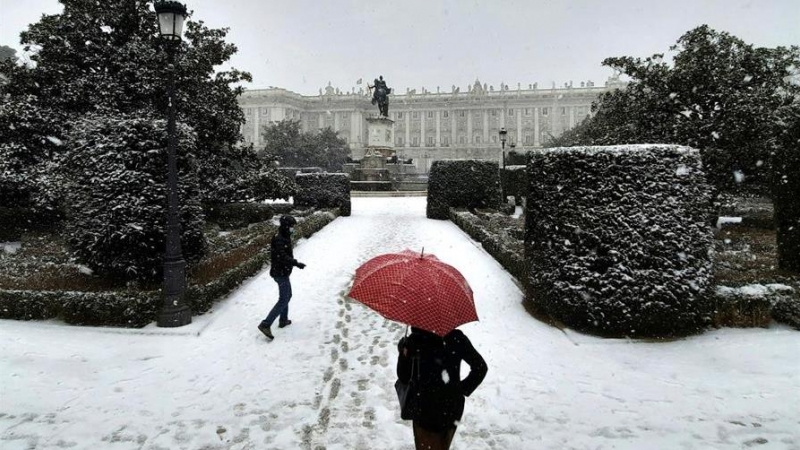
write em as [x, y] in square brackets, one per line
[433, 440]
[281, 308]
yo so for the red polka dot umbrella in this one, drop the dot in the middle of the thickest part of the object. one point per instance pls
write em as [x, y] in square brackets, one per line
[415, 289]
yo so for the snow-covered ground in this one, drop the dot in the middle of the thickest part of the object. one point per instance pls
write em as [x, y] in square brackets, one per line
[326, 382]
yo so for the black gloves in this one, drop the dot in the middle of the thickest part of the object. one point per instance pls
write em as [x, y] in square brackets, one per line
[301, 265]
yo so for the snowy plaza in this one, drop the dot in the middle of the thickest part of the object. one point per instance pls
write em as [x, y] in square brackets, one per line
[327, 381]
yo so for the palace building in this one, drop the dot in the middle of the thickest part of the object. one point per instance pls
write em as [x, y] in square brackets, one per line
[433, 125]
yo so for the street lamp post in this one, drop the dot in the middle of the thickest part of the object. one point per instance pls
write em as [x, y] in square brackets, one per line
[175, 312]
[513, 146]
[503, 133]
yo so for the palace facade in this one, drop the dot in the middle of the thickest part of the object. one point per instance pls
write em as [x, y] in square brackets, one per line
[433, 125]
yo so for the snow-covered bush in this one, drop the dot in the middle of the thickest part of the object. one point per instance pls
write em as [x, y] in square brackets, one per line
[237, 215]
[617, 238]
[786, 190]
[515, 182]
[500, 242]
[117, 171]
[323, 190]
[29, 140]
[462, 184]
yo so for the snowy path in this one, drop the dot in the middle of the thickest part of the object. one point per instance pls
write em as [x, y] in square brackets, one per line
[326, 382]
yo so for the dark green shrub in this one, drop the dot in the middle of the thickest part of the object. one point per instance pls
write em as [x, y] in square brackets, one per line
[323, 190]
[617, 238]
[117, 170]
[786, 191]
[462, 184]
[515, 182]
[237, 215]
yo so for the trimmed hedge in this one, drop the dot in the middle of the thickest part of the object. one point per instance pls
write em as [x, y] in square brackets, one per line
[462, 184]
[138, 308]
[786, 197]
[617, 239]
[323, 190]
[515, 182]
[230, 216]
[16, 221]
[510, 256]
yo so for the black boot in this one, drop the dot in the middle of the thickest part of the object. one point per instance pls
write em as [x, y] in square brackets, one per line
[267, 332]
[284, 324]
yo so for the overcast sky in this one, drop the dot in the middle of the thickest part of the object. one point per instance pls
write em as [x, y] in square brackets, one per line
[301, 45]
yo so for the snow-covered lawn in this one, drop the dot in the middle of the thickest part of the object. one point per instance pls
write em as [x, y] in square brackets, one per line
[326, 382]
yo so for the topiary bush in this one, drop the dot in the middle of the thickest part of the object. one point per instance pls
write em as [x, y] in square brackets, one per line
[515, 182]
[117, 170]
[462, 184]
[323, 190]
[617, 239]
[237, 215]
[785, 182]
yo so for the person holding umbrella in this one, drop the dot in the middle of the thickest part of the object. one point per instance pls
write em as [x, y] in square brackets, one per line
[281, 264]
[440, 390]
[433, 298]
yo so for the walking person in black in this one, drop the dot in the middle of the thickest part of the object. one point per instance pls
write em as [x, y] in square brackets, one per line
[441, 389]
[281, 264]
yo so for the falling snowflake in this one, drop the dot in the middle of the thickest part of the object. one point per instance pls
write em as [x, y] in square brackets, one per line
[738, 176]
[715, 134]
[747, 78]
[55, 140]
[683, 170]
[106, 29]
[445, 377]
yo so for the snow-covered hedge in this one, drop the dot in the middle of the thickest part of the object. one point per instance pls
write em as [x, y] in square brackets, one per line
[462, 184]
[117, 171]
[618, 240]
[132, 308]
[505, 249]
[237, 215]
[515, 182]
[15, 221]
[786, 196]
[323, 190]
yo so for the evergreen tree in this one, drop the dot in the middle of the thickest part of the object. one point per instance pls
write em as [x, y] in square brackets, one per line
[291, 147]
[720, 95]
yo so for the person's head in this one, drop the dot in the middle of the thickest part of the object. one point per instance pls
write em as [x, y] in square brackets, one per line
[380, 77]
[286, 223]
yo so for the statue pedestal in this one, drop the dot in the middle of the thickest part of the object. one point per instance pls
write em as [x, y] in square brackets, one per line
[380, 138]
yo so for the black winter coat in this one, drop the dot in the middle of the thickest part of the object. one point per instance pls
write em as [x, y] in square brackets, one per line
[281, 255]
[441, 388]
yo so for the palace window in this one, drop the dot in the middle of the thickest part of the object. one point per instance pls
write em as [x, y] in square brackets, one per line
[477, 139]
[563, 110]
[462, 113]
[445, 141]
[528, 139]
[446, 114]
[494, 112]
[494, 139]
[431, 141]
[399, 140]
[545, 111]
[510, 112]
[527, 111]
[430, 114]
[462, 139]
[415, 115]
[399, 115]
[415, 141]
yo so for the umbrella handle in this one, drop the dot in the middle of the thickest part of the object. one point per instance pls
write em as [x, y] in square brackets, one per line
[422, 253]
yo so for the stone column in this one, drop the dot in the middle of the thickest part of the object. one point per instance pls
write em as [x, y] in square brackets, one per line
[571, 117]
[453, 131]
[422, 142]
[503, 117]
[518, 112]
[320, 121]
[536, 126]
[256, 131]
[485, 127]
[336, 121]
[438, 142]
[469, 127]
[408, 129]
